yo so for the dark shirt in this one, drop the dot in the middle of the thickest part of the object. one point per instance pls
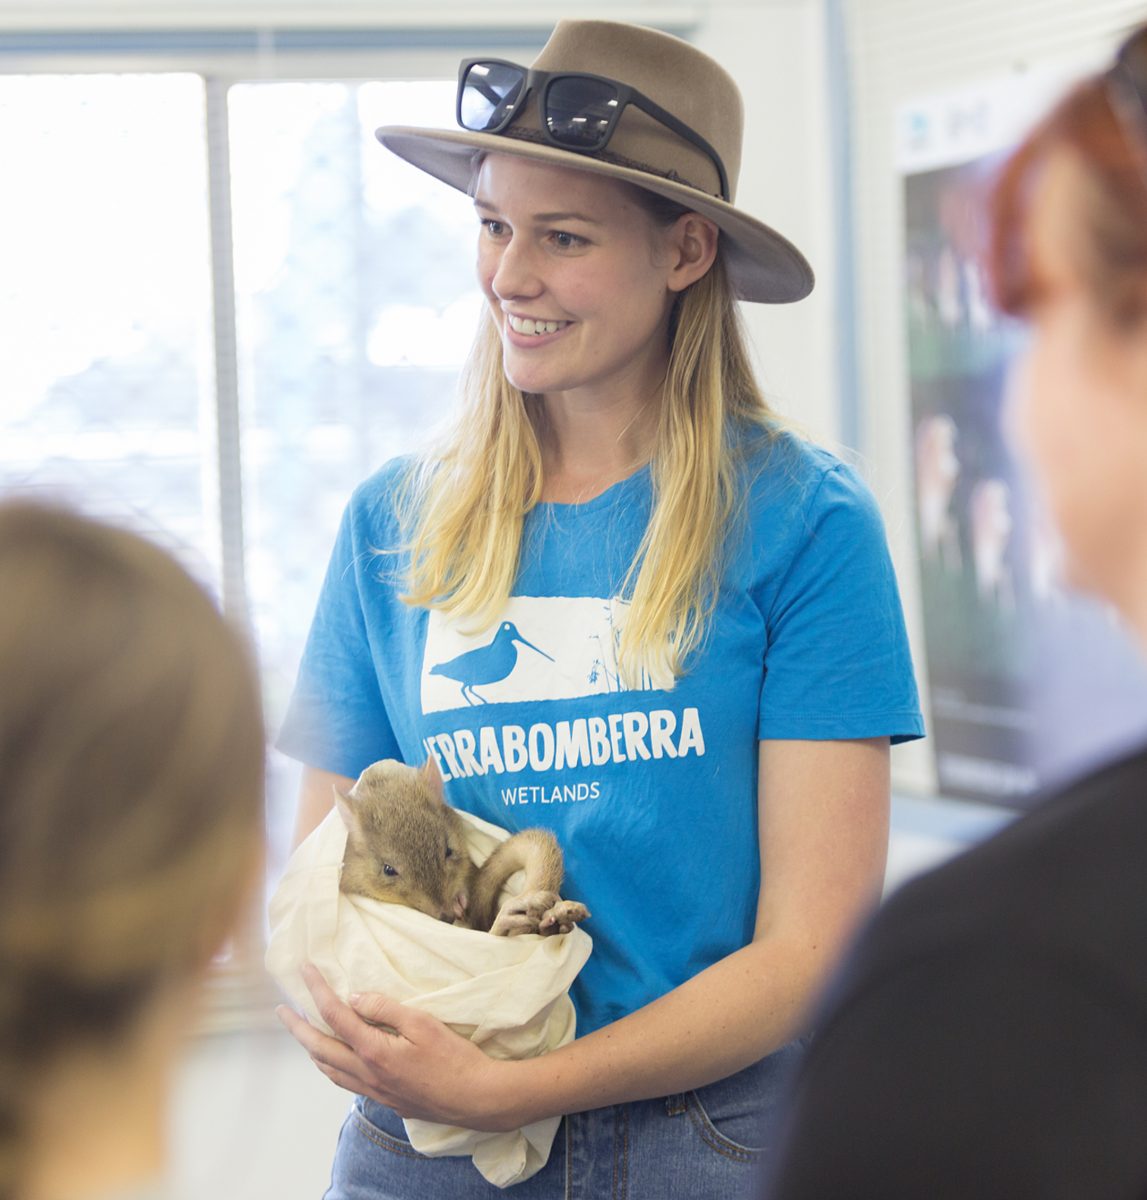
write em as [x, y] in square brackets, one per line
[988, 1035]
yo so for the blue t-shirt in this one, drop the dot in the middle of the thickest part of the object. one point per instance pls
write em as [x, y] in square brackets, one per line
[651, 790]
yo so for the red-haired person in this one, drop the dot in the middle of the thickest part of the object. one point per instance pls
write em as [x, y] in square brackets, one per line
[988, 1036]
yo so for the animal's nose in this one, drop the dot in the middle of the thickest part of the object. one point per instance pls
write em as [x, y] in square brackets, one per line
[448, 917]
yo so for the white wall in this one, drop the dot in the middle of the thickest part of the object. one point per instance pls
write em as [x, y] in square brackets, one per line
[309, 14]
[775, 51]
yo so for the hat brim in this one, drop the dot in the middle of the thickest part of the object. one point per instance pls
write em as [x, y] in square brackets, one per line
[763, 265]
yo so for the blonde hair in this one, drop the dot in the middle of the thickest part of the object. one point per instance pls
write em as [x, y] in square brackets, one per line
[131, 790]
[466, 503]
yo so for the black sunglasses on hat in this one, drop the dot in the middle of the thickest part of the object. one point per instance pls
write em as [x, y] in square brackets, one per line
[579, 111]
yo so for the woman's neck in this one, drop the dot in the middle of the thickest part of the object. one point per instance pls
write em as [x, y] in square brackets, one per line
[589, 444]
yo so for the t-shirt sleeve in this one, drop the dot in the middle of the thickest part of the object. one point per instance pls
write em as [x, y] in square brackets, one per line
[837, 663]
[337, 719]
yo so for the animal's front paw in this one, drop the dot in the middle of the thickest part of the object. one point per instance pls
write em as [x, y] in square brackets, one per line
[538, 912]
[524, 913]
[562, 917]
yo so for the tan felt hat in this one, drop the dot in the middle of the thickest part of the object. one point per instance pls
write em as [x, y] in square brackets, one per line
[679, 78]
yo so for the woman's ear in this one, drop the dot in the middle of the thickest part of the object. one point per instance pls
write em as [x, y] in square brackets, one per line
[693, 240]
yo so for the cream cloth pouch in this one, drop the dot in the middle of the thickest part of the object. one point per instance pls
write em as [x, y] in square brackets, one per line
[509, 995]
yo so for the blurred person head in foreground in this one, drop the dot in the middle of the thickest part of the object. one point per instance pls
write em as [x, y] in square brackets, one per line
[988, 1036]
[131, 793]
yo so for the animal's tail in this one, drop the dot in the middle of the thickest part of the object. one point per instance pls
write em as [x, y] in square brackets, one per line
[536, 852]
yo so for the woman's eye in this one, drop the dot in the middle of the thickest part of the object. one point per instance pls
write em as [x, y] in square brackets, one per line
[492, 227]
[566, 241]
[387, 869]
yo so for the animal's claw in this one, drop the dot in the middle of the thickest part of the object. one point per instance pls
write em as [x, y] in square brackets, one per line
[538, 912]
[563, 917]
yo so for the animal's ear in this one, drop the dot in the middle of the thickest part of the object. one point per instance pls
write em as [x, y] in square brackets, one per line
[344, 802]
[429, 775]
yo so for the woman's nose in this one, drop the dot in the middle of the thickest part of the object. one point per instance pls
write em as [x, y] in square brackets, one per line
[515, 273]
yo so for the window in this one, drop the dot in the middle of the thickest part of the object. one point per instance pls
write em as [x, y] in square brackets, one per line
[356, 304]
[224, 305]
[105, 300]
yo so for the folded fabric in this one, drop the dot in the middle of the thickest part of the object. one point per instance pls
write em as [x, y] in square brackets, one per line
[510, 995]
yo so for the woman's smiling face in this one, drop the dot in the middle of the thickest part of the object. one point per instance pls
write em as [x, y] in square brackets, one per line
[579, 278]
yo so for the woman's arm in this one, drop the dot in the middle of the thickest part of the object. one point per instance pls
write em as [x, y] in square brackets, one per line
[316, 799]
[823, 841]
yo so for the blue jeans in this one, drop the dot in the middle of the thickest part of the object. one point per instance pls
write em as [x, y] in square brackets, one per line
[703, 1145]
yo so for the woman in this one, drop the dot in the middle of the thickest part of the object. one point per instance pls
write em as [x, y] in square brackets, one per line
[990, 1035]
[131, 772]
[688, 652]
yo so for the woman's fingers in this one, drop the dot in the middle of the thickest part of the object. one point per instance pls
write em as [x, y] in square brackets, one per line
[326, 1051]
[397, 1055]
[337, 1061]
[358, 1032]
[382, 1012]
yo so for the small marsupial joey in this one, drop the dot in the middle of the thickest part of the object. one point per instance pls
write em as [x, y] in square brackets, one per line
[406, 845]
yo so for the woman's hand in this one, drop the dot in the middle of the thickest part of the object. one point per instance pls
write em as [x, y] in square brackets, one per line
[416, 1065]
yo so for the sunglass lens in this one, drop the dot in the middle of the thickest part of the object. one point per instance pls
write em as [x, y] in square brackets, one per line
[580, 111]
[490, 94]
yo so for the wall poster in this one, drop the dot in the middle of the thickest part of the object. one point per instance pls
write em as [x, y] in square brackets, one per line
[1029, 682]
